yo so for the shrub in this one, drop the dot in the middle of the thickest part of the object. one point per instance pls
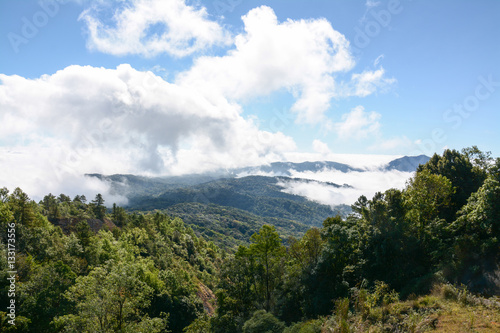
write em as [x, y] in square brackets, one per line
[263, 322]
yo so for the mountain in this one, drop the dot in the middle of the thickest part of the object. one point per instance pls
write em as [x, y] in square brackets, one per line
[229, 205]
[286, 168]
[407, 163]
[259, 195]
[133, 186]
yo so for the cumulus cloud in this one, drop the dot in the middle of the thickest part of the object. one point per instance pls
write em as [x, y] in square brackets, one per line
[87, 119]
[299, 55]
[358, 124]
[151, 27]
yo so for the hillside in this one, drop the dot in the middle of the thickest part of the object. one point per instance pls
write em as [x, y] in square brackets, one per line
[246, 189]
[416, 259]
[229, 227]
[258, 195]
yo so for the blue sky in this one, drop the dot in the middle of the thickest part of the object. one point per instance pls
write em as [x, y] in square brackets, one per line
[207, 84]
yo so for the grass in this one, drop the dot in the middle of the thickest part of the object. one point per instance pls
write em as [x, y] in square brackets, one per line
[446, 309]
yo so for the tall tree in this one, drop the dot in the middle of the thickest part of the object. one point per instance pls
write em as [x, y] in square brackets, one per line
[269, 252]
[99, 208]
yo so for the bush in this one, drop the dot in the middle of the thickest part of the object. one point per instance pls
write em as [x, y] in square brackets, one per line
[263, 322]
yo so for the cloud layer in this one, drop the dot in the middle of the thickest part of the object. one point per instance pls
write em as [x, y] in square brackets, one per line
[363, 183]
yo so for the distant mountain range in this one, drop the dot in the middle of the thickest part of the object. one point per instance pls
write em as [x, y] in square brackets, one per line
[242, 199]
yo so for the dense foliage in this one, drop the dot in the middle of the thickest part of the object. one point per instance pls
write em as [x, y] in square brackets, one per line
[82, 268]
[150, 273]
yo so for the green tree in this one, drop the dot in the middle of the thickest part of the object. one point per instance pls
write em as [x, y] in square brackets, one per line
[50, 206]
[63, 198]
[464, 177]
[337, 267]
[119, 215]
[477, 229]
[111, 299]
[479, 159]
[22, 208]
[99, 208]
[268, 251]
[426, 196]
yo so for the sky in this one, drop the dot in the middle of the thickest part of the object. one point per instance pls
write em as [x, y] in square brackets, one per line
[161, 87]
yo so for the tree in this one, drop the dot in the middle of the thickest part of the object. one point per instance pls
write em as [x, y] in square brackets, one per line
[111, 299]
[119, 215]
[99, 208]
[84, 233]
[477, 239]
[268, 252]
[426, 196]
[22, 207]
[4, 194]
[464, 177]
[63, 198]
[337, 267]
[478, 158]
[49, 203]
[478, 226]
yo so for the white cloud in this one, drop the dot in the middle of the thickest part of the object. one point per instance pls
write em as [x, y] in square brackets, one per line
[152, 27]
[363, 183]
[367, 83]
[320, 147]
[86, 120]
[301, 56]
[358, 124]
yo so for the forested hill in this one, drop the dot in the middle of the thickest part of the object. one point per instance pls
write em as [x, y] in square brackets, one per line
[424, 258]
[224, 194]
[258, 195]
